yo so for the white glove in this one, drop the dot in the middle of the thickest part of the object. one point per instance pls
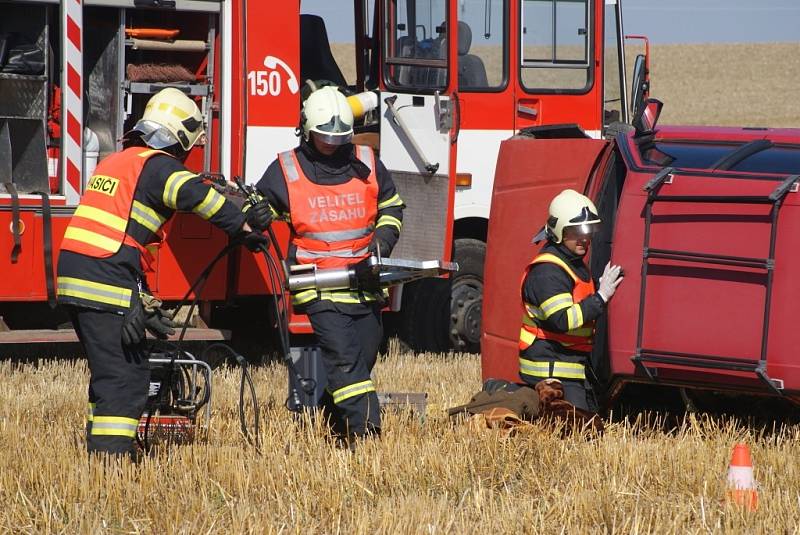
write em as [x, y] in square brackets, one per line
[612, 276]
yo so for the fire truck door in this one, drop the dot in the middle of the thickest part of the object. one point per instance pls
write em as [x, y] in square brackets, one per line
[419, 67]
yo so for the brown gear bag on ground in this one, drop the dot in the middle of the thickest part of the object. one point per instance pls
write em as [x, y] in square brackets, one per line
[523, 402]
[508, 411]
[511, 408]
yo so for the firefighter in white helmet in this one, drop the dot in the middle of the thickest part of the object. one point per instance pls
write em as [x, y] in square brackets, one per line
[341, 205]
[562, 303]
[104, 255]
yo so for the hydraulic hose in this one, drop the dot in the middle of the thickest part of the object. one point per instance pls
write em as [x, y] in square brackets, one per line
[281, 307]
[292, 401]
[246, 378]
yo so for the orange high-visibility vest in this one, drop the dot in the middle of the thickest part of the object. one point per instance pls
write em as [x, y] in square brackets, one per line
[97, 227]
[577, 339]
[332, 226]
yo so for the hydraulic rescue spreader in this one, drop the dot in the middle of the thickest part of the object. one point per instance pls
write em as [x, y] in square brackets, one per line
[371, 273]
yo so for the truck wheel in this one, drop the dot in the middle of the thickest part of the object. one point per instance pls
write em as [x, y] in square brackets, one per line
[439, 315]
[466, 292]
[425, 315]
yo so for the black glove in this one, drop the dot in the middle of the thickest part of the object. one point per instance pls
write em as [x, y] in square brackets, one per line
[157, 322]
[134, 324]
[259, 216]
[380, 247]
[145, 313]
[255, 241]
[368, 277]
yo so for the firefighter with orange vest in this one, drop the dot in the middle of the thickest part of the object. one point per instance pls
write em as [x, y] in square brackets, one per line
[561, 301]
[131, 194]
[341, 205]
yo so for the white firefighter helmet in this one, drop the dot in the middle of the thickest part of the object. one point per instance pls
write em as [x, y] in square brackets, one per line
[170, 118]
[327, 114]
[569, 209]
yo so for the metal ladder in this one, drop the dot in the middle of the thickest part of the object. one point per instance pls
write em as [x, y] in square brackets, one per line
[758, 366]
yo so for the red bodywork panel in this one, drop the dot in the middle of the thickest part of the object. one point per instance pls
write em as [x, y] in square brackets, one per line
[703, 312]
[700, 308]
[190, 245]
[529, 174]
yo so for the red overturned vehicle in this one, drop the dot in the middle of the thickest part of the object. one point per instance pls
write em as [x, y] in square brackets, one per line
[706, 225]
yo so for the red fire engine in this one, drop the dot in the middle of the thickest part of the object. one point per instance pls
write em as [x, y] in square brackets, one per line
[77, 73]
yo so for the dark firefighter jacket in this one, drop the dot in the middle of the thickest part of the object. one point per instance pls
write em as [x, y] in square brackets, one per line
[334, 170]
[164, 186]
[546, 280]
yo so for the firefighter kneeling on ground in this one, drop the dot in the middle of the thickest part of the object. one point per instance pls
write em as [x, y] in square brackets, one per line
[342, 206]
[100, 268]
[561, 304]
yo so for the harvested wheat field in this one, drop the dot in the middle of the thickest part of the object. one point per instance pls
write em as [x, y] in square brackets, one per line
[425, 475]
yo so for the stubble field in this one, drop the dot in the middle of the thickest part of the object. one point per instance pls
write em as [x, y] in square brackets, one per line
[425, 475]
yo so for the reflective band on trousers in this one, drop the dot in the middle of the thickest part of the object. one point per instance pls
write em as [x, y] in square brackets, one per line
[353, 390]
[342, 253]
[94, 291]
[549, 368]
[114, 425]
[90, 413]
[339, 235]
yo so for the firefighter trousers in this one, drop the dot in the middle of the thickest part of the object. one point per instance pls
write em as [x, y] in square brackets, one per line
[349, 344]
[118, 383]
[577, 390]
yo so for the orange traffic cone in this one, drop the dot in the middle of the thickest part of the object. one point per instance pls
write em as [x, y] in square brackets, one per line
[741, 484]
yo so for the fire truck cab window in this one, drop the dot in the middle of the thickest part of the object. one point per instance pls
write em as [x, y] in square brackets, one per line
[481, 45]
[415, 44]
[316, 58]
[556, 52]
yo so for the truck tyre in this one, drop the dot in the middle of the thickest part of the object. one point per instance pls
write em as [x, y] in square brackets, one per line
[424, 316]
[466, 291]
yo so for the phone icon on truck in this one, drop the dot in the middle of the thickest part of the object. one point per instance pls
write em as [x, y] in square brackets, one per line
[270, 81]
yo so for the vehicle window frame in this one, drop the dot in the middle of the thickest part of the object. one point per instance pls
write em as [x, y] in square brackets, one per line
[506, 53]
[387, 62]
[635, 160]
[589, 64]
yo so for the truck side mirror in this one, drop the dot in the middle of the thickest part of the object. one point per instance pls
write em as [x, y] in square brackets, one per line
[640, 87]
[645, 121]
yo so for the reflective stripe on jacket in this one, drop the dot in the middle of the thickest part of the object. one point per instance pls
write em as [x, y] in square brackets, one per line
[332, 226]
[98, 226]
[580, 334]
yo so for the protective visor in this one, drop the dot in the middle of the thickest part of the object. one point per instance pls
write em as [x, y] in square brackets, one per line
[154, 135]
[334, 132]
[584, 230]
[333, 139]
